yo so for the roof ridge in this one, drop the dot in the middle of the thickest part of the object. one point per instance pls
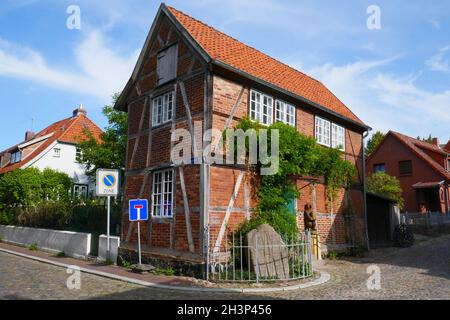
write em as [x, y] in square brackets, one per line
[243, 43]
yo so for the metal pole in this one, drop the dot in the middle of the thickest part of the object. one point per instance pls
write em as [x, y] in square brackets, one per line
[366, 227]
[139, 242]
[108, 227]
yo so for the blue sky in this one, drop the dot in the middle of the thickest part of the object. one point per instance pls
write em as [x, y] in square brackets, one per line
[397, 77]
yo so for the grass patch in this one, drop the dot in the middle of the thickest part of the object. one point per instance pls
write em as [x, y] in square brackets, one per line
[33, 247]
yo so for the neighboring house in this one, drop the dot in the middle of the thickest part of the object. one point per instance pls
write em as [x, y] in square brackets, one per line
[189, 73]
[55, 147]
[423, 170]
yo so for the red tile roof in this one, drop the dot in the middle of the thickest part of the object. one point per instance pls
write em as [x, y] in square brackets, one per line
[234, 53]
[447, 147]
[70, 130]
[417, 147]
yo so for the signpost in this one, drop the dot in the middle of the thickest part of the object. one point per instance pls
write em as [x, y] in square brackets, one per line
[138, 210]
[107, 185]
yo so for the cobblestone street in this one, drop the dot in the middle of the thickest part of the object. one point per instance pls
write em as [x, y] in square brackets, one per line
[420, 272]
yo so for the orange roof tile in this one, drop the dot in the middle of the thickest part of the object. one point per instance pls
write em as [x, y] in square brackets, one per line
[70, 130]
[234, 53]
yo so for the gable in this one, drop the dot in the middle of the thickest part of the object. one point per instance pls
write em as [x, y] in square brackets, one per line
[215, 47]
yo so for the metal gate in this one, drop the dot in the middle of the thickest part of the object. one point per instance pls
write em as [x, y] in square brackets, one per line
[270, 260]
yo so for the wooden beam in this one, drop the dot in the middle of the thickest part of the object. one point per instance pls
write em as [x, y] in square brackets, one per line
[186, 211]
[228, 213]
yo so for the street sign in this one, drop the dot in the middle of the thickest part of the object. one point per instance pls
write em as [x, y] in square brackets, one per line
[138, 209]
[107, 182]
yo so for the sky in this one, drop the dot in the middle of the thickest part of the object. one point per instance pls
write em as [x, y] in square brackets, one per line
[395, 76]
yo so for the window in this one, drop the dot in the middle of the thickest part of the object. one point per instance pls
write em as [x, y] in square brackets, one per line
[381, 167]
[57, 152]
[167, 64]
[323, 131]
[162, 194]
[405, 167]
[337, 137]
[285, 112]
[80, 191]
[261, 107]
[16, 157]
[78, 154]
[162, 109]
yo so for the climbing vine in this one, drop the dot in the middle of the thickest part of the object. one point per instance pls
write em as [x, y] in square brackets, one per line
[299, 155]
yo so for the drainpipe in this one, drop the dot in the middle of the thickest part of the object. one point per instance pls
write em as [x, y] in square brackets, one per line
[366, 229]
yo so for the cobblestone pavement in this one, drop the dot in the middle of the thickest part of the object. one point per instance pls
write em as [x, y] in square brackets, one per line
[420, 272]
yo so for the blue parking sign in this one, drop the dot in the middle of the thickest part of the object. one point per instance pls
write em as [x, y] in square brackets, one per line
[138, 209]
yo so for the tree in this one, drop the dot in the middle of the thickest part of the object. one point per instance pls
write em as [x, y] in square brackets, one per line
[387, 186]
[110, 151]
[429, 139]
[374, 142]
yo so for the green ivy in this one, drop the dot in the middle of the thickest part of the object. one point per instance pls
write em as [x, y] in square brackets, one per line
[299, 155]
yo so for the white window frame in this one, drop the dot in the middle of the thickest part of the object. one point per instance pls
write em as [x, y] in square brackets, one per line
[323, 131]
[163, 186]
[261, 107]
[284, 112]
[337, 136]
[162, 108]
[57, 152]
[83, 190]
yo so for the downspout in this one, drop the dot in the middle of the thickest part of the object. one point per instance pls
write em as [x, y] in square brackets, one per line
[366, 229]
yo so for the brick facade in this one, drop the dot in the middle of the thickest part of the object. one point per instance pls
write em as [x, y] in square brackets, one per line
[212, 94]
[429, 165]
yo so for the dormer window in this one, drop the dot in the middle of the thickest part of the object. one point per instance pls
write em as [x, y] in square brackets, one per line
[167, 64]
[16, 157]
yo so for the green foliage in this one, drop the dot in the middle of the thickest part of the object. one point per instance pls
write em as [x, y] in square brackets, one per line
[21, 187]
[299, 155]
[374, 141]
[46, 215]
[33, 247]
[332, 255]
[61, 254]
[385, 185]
[110, 152]
[429, 139]
[30, 187]
[6, 218]
[161, 271]
[124, 263]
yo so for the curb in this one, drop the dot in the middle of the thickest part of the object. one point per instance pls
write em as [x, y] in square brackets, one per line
[324, 277]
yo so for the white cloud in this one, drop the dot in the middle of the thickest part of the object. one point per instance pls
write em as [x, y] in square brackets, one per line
[438, 62]
[385, 101]
[102, 71]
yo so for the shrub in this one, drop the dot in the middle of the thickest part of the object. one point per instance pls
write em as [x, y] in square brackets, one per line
[33, 247]
[385, 185]
[7, 217]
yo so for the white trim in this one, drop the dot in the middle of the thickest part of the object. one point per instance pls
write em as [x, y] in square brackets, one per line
[284, 112]
[259, 112]
[161, 193]
[36, 140]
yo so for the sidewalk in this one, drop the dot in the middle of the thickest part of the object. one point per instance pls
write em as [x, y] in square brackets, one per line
[148, 279]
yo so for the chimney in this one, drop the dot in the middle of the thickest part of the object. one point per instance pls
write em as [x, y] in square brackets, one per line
[436, 141]
[29, 135]
[78, 111]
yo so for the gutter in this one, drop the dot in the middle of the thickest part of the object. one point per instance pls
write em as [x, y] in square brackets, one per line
[366, 229]
[288, 93]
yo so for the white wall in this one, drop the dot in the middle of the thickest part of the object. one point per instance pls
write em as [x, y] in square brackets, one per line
[74, 244]
[65, 163]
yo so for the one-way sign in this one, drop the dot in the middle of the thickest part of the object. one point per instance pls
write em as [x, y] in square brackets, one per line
[138, 209]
